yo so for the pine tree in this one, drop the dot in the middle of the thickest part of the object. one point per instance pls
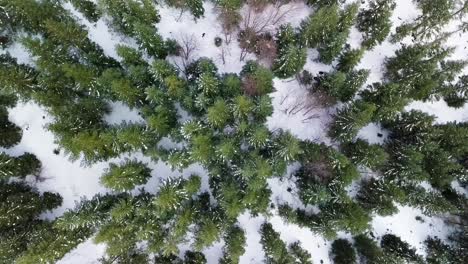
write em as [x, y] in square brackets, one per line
[242, 107]
[88, 8]
[389, 99]
[438, 252]
[219, 114]
[349, 59]
[288, 147]
[327, 30]
[435, 16]
[368, 250]
[378, 196]
[340, 85]
[256, 79]
[291, 60]
[375, 22]
[194, 258]
[343, 252]
[21, 166]
[362, 153]
[125, 176]
[292, 56]
[299, 255]
[412, 128]
[350, 119]
[414, 68]
[395, 246]
[275, 249]
[234, 247]
[11, 134]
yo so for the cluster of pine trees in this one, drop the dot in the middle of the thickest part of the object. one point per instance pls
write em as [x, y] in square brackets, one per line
[225, 132]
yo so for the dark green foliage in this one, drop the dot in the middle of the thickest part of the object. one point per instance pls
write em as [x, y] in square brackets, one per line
[275, 249]
[20, 226]
[350, 119]
[343, 252]
[126, 176]
[10, 133]
[88, 8]
[21, 166]
[416, 69]
[126, 15]
[349, 59]
[257, 80]
[412, 128]
[375, 22]
[194, 258]
[298, 254]
[341, 85]
[368, 250]
[292, 55]
[438, 252]
[235, 243]
[456, 95]
[388, 98]
[435, 16]
[194, 6]
[327, 30]
[362, 153]
[395, 246]
[378, 196]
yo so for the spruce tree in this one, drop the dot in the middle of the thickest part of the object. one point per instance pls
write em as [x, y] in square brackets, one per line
[350, 119]
[375, 22]
[362, 153]
[275, 249]
[125, 176]
[235, 243]
[394, 245]
[11, 134]
[343, 252]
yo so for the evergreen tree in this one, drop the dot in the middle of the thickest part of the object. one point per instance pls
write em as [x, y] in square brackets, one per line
[21, 166]
[350, 119]
[194, 258]
[288, 147]
[349, 59]
[343, 252]
[395, 246]
[88, 8]
[362, 153]
[234, 248]
[378, 196]
[126, 176]
[369, 252]
[375, 22]
[275, 249]
[416, 69]
[299, 255]
[257, 80]
[11, 134]
[439, 252]
[340, 85]
[219, 114]
[435, 16]
[389, 99]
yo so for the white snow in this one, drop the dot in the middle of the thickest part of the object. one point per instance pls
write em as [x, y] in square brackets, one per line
[410, 230]
[86, 253]
[294, 110]
[299, 112]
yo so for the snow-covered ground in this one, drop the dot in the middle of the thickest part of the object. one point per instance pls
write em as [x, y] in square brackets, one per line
[294, 110]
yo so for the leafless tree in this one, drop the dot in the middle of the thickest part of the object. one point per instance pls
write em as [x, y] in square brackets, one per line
[188, 46]
[255, 23]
